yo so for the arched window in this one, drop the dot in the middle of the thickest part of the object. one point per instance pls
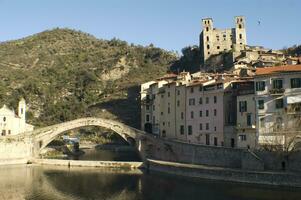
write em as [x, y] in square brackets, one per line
[208, 38]
[207, 29]
[4, 119]
[208, 47]
[239, 26]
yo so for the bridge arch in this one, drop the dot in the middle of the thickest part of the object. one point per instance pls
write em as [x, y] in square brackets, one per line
[42, 137]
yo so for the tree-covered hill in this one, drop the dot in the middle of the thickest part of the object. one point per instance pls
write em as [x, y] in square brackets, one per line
[65, 74]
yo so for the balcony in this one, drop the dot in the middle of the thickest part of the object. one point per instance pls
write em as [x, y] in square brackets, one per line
[276, 91]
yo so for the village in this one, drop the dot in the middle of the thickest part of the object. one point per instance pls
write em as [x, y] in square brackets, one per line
[251, 99]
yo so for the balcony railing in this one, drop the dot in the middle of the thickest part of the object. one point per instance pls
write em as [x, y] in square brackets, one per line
[276, 91]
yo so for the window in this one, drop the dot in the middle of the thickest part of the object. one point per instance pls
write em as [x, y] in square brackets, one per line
[242, 137]
[260, 86]
[207, 38]
[201, 113]
[279, 103]
[215, 141]
[168, 94]
[147, 118]
[147, 107]
[207, 100]
[201, 100]
[239, 26]
[207, 126]
[262, 122]
[191, 90]
[215, 99]
[189, 130]
[161, 113]
[295, 82]
[182, 130]
[4, 119]
[168, 110]
[260, 104]
[207, 29]
[207, 139]
[153, 107]
[249, 119]
[218, 47]
[277, 84]
[3, 132]
[207, 113]
[243, 106]
[201, 127]
[191, 102]
[240, 36]
[182, 115]
[9, 132]
[208, 46]
[163, 133]
[178, 92]
[21, 111]
[191, 114]
[154, 120]
[178, 103]
[215, 112]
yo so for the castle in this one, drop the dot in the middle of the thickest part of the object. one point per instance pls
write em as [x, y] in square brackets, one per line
[215, 41]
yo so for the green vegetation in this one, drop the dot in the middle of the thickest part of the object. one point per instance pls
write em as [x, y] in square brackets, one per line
[65, 74]
[293, 51]
[190, 60]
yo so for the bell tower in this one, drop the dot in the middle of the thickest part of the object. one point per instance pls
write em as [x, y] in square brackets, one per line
[22, 109]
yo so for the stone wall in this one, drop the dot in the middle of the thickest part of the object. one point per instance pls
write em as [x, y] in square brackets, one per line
[223, 157]
[224, 174]
[12, 149]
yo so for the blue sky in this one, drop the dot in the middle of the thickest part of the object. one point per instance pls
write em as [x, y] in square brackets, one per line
[169, 24]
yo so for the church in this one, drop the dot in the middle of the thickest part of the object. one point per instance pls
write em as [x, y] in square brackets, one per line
[12, 123]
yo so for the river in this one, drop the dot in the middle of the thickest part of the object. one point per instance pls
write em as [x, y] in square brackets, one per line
[34, 182]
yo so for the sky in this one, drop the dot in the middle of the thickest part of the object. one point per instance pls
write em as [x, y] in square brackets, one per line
[168, 24]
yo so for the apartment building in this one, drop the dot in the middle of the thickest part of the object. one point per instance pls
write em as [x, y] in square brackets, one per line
[278, 103]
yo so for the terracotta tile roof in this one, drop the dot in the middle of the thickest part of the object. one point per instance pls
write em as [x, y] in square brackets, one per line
[168, 76]
[278, 69]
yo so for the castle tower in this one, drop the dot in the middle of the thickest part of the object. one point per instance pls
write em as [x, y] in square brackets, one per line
[22, 109]
[240, 33]
[206, 38]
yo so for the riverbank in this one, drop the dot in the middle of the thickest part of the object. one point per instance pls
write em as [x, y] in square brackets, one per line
[81, 163]
[275, 178]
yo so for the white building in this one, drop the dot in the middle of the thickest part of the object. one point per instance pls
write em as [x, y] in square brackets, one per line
[278, 100]
[12, 124]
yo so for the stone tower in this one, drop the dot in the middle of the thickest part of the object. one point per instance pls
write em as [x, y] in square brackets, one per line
[22, 109]
[240, 33]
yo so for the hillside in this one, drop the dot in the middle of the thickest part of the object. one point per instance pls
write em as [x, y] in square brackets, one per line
[65, 74]
[293, 51]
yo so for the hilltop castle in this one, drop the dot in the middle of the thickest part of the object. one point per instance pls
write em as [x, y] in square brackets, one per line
[215, 41]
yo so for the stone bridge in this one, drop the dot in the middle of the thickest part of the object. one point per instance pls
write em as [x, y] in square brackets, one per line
[43, 136]
[29, 145]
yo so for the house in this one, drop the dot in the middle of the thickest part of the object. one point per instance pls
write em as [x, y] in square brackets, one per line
[278, 103]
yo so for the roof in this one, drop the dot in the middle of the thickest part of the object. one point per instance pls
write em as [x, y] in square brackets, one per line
[278, 69]
[168, 76]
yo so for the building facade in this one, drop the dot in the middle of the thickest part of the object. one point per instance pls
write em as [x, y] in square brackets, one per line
[278, 104]
[12, 124]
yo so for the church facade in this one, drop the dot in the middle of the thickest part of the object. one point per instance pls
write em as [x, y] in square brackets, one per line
[12, 123]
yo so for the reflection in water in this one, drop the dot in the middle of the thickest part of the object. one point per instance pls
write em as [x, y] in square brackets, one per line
[49, 183]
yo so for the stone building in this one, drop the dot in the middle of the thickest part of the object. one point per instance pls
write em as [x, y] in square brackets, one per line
[215, 41]
[278, 101]
[12, 124]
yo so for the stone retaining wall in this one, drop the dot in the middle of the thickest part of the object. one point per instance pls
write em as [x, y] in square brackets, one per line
[226, 174]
